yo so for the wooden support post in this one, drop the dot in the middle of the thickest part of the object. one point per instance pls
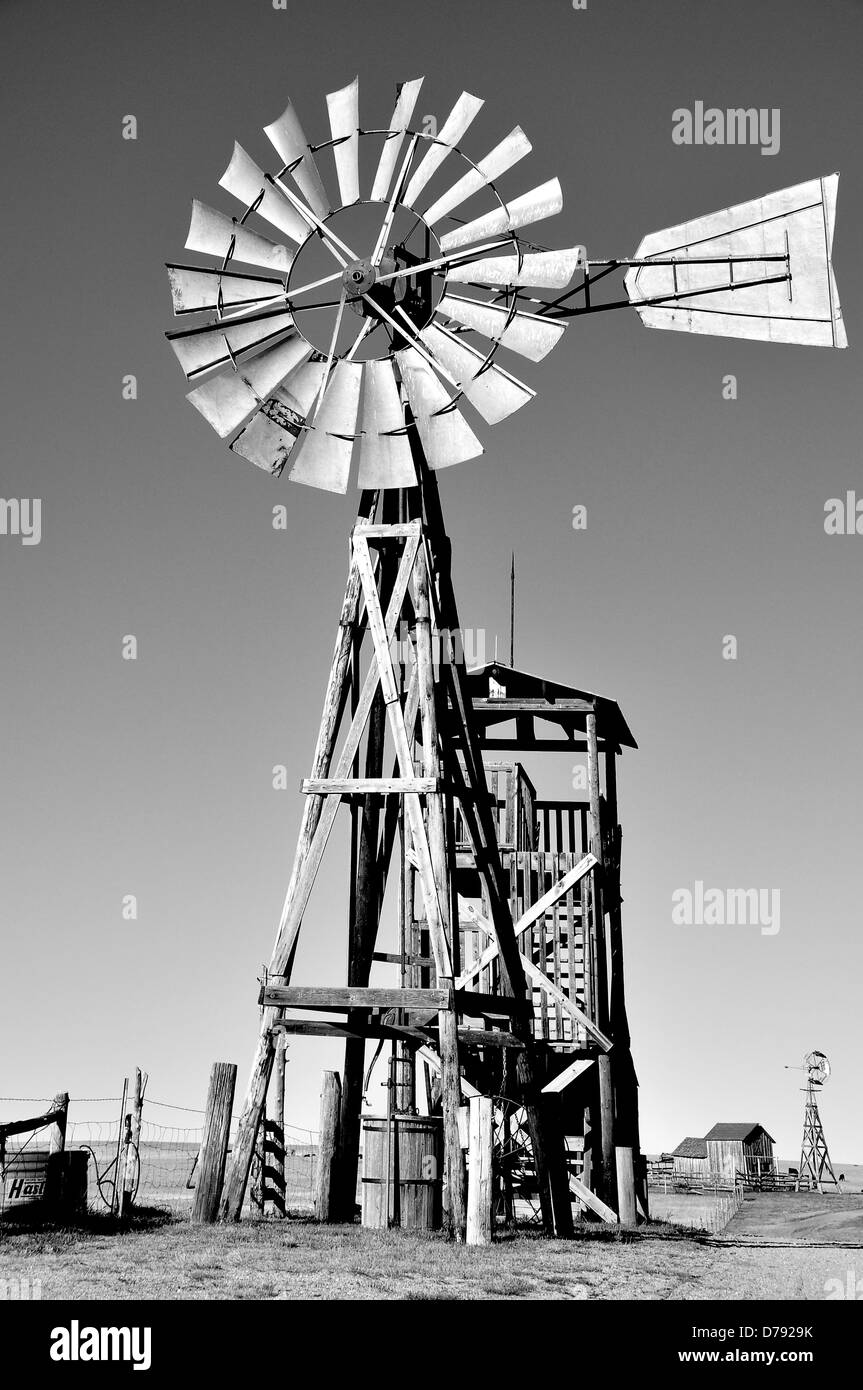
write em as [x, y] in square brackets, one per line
[328, 1143]
[256, 1189]
[314, 829]
[606, 1184]
[131, 1150]
[625, 1186]
[57, 1133]
[214, 1142]
[141, 1079]
[587, 1154]
[482, 829]
[56, 1148]
[454, 1172]
[597, 916]
[479, 1188]
[362, 934]
[277, 1130]
[558, 1171]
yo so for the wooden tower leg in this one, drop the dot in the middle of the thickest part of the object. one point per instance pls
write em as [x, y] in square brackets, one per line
[447, 1020]
[318, 816]
[557, 1218]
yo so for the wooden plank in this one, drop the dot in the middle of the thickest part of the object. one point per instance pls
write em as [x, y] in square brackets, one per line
[386, 531]
[489, 1037]
[570, 1074]
[591, 1200]
[354, 997]
[538, 909]
[393, 958]
[328, 1028]
[534, 973]
[532, 706]
[479, 1192]
[214, 1143]
[431, 1059]
[362, 786]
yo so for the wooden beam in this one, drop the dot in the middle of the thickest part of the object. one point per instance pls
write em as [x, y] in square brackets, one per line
[448, 1038]
[490, 1037]
[362, 786]
[570, 1074]
[578, 1015]
[353, 997]
[387, 531]
[431, 1059]
[591, 1200]
[533, 706]
[393, 958]
[527, 919]
[329, 1028]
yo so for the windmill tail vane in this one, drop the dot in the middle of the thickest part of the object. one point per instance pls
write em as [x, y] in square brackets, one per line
[439, 296]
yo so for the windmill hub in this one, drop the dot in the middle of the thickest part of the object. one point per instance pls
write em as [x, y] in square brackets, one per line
[359, 277]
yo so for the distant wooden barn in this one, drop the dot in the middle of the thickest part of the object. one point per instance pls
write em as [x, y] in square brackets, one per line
[690, 1159]
[738, 1148]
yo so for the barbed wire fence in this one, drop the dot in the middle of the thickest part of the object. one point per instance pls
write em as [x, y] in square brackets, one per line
[166, 1153]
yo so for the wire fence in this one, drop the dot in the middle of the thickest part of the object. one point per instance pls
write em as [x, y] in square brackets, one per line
[165, 1159]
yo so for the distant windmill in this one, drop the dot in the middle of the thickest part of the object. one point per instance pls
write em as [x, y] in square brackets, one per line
[814, 1159]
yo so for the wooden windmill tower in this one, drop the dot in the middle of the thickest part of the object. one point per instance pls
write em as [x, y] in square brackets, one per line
[373, 349]
[815, 1167]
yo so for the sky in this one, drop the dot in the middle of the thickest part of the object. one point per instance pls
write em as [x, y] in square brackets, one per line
[705, 518]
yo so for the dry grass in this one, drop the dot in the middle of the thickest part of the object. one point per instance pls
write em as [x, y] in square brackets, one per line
[161, 1256]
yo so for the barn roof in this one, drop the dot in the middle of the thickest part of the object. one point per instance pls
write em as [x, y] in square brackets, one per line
[737, 1131]
[691, 1148]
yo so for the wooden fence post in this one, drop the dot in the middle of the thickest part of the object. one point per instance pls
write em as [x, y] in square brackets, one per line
[276, 1133]
[56, 1149]
[479, 1187]
[131, 1143]
[57, 1136]
[627, 1212]
[214, 1143]
[328, 1144]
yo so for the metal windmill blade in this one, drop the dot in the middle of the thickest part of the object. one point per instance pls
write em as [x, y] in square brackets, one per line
[790, 231]
[442, 303]
[283, 395]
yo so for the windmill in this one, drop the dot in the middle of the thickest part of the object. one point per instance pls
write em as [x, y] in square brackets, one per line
[363, 328]
[815, 1162]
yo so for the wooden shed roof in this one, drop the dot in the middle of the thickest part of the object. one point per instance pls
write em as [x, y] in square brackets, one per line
[564, 704]
[691, 1148]
[740, 1132]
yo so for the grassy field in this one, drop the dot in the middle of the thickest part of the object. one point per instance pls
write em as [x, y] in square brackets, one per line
[162, 1256]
